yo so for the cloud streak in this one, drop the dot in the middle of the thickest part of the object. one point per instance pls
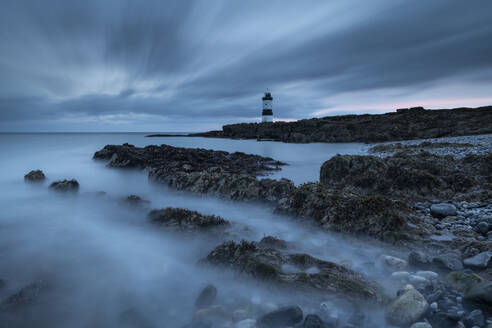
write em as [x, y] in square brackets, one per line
[194, 65]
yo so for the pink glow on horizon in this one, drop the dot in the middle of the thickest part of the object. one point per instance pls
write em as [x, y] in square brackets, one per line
[428, 103]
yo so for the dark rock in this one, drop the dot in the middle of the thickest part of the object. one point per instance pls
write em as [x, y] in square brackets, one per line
[448, 261]
[419, 259]
[266, 264]
[313, 321]
[483, 227]
[207, 297]
[479, 261]
[480, 293]
[442, 210]
[176, 159]
[373, 215]
[65, 185]
[283, 317]
[407, 175]
[35, 176]
[185, 220]
[135, 200]
[272, 242]
[475, 318]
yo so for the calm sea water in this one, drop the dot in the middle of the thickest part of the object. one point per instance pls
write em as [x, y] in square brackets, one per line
[102, 257]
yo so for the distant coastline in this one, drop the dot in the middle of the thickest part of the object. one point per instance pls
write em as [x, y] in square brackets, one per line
[404, 124]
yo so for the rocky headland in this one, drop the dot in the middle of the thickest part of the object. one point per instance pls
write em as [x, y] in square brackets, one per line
[404, 124]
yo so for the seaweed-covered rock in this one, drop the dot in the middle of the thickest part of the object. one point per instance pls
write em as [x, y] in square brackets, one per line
[177, 159]
[185, 220]
[35, 176]
[373, 215]
[266, 264]
[65, 185]
[408, 175]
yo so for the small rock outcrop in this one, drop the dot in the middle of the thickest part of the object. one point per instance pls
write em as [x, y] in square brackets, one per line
[181, 219]
[65, 185]
[35, 176]
[266, 264]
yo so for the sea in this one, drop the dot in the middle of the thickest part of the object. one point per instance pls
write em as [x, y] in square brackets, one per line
[105, 265]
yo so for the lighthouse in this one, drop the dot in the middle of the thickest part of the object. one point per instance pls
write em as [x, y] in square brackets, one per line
[267, 113]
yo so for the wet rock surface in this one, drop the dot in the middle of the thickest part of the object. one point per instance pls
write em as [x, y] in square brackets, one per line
[267, 265]
[175, 159]
[65, 185]
[180, 219]
[35, 176]
[412, 176]
[405, 124]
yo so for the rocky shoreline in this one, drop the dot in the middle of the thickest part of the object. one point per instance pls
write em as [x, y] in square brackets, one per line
[434, 204]
[429, 200]
[404, 124]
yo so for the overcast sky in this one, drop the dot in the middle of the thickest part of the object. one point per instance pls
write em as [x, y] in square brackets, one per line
[195, 65]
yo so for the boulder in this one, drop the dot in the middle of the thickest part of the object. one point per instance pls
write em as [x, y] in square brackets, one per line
[65, 185]
[475, 319]
[407, 308]
[181, 219]
[448, 261]
[268, 264]
[463, 281]
[481, 293]
[207, 297]
[479, 261]
[35, 176]
[283, 317]
[442, 210]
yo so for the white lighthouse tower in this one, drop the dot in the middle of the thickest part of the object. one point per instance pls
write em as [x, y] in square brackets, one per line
[267, 113]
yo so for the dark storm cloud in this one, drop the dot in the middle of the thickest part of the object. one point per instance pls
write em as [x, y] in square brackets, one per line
[212, 60]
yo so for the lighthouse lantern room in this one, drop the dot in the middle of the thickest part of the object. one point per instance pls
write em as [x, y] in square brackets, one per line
[267, 113]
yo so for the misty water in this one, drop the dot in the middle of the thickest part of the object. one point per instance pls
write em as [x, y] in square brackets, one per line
[101, 256]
